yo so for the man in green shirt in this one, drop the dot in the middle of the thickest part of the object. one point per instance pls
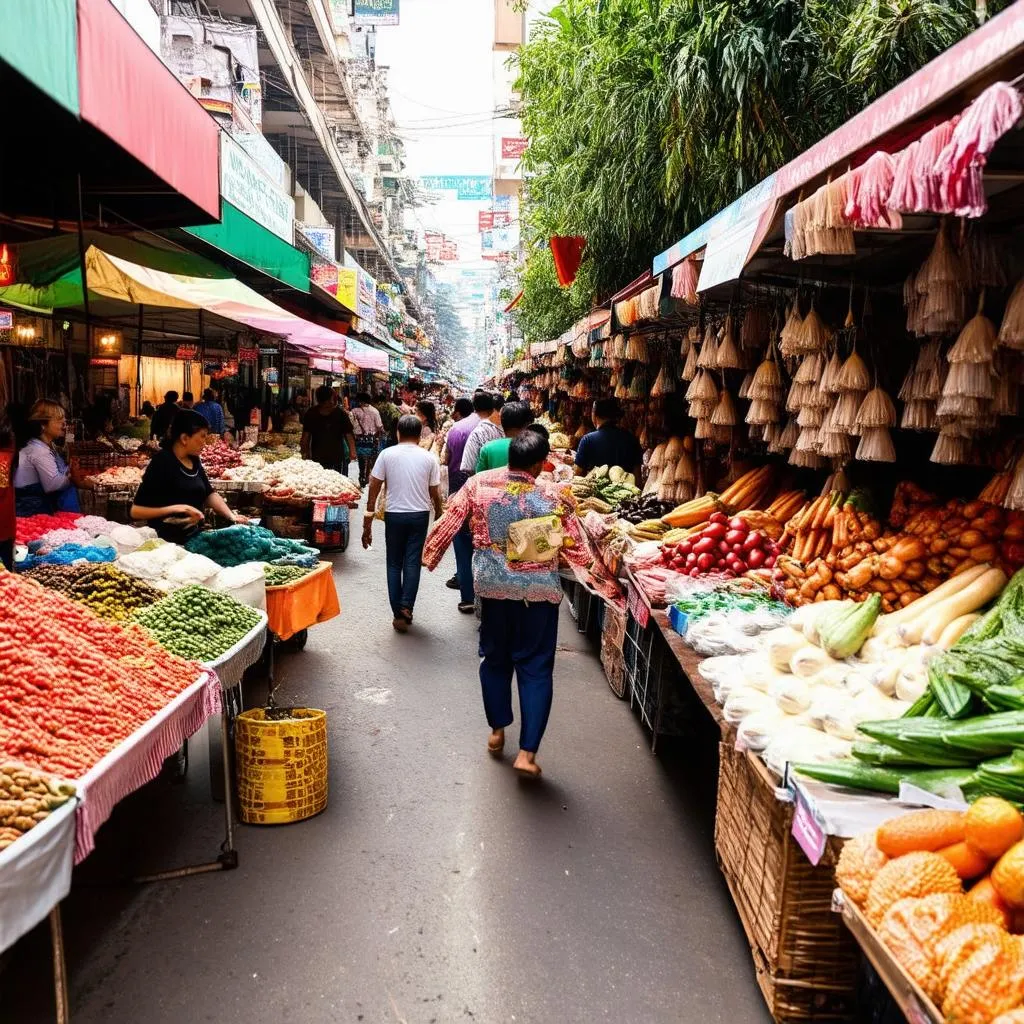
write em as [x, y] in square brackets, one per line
[515, 418]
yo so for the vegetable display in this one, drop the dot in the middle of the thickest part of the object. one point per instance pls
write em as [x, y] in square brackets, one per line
[282, 575]
[236, 544]
[104, 589]
[218, 456]
[611, 485]
[197, 623]
[943, 889]
[299, 480]
[27, 798]
[75, 685]
[726, 545]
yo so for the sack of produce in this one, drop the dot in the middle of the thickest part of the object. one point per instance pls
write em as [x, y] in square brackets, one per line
[246, 583]
[192, 568]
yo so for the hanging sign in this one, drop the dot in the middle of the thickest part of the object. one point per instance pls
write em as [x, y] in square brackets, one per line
[513, 149]
[376, 12]
[465, 186]
[324, 275]
[449, 251]
[8, 265]
[6, 319]
[248, 353]
[245, 185]
[320, 237]
[188, 353]
[270, 375]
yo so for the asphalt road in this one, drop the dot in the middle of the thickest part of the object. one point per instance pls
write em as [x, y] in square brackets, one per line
[437, 886]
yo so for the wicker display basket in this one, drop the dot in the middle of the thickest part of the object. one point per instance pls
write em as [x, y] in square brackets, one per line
[805, 959]
[282, 766]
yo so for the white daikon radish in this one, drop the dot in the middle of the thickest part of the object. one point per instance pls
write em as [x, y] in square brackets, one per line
[743, 702]
[879, 649]
[912, 681]
[884, 677]
[755, 732]
[952, 586]
[858, 679]
[831, 676]
[783, 644]
[954, 630]
[865, 707]
[808, 612]
[809, 661]
[821, 611]
[826, 704]
[791, 695]
[970, 598]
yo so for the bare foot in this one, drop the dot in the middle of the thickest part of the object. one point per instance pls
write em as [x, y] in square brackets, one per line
[401, 624]
[526, 765]
[496, 742]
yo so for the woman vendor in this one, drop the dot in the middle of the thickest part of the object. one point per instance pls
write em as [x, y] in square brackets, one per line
[42, 480]
[174, 489]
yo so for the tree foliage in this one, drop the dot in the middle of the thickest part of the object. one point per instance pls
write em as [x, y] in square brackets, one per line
[645, 117]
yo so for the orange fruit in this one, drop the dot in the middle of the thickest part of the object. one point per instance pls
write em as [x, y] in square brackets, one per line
[992, 825]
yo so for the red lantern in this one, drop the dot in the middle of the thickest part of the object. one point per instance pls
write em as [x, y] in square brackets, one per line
[568, 252]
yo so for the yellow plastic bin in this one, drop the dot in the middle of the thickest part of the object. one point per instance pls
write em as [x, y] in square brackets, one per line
[282, 765]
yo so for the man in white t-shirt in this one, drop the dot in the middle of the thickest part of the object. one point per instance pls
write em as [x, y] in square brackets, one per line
[412, 477]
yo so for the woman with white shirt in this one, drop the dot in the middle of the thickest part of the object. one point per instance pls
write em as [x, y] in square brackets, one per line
[42, 480]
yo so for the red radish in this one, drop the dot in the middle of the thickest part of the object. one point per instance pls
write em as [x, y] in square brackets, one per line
[694, 572]
[737, 549]
[716, 530]
[770, 564]
[691, 560]
[755, 558]
[718, 517]
[704, 544]
[737, 523]
[705, 562]
[735, 537]
[723, 546]
[753, 540]
[685, 548]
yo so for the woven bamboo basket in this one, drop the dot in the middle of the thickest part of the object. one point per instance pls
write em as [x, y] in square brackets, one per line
[805, 959]
[282, 766]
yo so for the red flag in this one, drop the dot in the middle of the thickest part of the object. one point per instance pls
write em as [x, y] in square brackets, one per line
[568, 252]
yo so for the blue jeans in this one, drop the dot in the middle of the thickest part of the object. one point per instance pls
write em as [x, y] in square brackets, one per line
[463, 545]
[521, 638]
[404, 536]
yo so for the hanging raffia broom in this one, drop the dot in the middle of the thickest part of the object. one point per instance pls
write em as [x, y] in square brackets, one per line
[728, 355]
[1011, 331]
[684, 281]
[708, 358]
[789, 434]
[971, 359]
[725, 412]
[744, 391]
[877, 410]
[876, 445]
[789, 336]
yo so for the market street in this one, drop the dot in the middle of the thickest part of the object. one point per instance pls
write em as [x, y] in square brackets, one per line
[437, 886]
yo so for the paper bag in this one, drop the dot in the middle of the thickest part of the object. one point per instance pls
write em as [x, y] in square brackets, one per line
[534, 540]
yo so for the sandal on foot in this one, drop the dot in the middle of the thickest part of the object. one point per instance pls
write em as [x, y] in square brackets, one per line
[406, 613]
[467, 607]
[496, 747]
[400, 624]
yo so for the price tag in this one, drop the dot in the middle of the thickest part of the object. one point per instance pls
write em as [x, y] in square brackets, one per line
[807, 830]
[637, 608]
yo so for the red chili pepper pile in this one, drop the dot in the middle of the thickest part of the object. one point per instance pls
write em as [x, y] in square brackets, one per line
[31, 528]
[74, 686]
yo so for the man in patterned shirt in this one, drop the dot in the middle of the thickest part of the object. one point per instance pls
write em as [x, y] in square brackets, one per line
[519, 599]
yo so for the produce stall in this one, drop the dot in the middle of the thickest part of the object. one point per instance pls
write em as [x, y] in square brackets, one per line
[298, 599]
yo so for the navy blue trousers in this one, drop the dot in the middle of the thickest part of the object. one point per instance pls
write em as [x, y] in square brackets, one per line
[520, 638]
[463, 545]
[404, 536]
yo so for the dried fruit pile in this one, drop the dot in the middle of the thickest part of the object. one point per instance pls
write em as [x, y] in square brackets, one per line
[909, 878]
[104, 589]
[27, 798]
[75, 685]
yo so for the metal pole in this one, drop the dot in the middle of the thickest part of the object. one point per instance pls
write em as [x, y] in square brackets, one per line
[60, 969]
[138, 366]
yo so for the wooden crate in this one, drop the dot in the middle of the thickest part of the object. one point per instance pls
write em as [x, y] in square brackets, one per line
[805, 959]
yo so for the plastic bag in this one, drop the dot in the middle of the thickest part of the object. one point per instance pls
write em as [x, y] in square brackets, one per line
[804, 744]
[757, 730]
[715, 635]
[192, 568]
[743, 702]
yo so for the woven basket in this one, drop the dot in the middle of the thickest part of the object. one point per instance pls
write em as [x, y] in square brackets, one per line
[282, 766]
[805, 959]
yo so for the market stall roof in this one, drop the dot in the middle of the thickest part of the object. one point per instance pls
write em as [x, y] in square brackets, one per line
[645, 280]
[243, 239]
[948, 82]
[88, 105]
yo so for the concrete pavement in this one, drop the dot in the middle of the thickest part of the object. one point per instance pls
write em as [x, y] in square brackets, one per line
[437, 886]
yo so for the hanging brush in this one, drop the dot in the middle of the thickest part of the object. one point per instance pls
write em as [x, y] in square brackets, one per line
[703, 386]
[767, 380]
[806, 460]
[810, 369]
[844, 414]
[876, 445]
[835, 446]
[867, 189]
[744, 391]
[704, 429]
[810, 417]
[636, 348]
[918, 414]
[789, 336]
[708, 358]
[789, 434]
[971, 359]
[877, 410]
[701, 408]
[1011, 331]
[796, 397]
[807, 440]
[914, 186]
[728, 355]
[814, 333]
[690, 366]
[854, 374]
[830, 376]
[762, 412]
[951, 448]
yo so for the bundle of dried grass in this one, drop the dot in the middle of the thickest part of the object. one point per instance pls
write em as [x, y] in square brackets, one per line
[665, 382]
[971, 359]
[728, 355]
[796, 397]
[810, 370]
[763, 412]
[806, 460]
[708, 358]
[744, 391]
[704, 429]
[877, 410]
[844, 413]
[952, 448]
[789, 336]
[814, 333]
[619, 347]
[876, 445]
[755, 327]
[686, 469]
[770, 433]
[636, 348]
[867, 190]
[690, 366]
[818, 224]
[939, 286]
[807, 440]
[702, 387]
[1011, 331]
[914, 186]
[789, 434]
[648, 302]
[766, 383]
[833, 445]
[725, 411]
[853, 375]
[658, 456]
[701, 408]
[918, 414]
[830, 377]
[810, 417]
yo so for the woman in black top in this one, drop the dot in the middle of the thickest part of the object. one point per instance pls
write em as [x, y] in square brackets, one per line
[174, 488]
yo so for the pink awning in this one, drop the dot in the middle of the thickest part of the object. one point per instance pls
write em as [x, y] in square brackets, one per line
[126, 91]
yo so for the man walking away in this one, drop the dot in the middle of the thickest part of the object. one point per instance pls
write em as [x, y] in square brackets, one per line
[488, 429]
[187, 400]
[413, 480]
[515, 417]
[455, 445]
[609, 444]
[161, 422]
[369, 431]
[521, 529]
[212, 411]
[327, 432]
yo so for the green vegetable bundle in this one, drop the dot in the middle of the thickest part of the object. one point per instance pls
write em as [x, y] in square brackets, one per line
[282, 575]
[237, 544]
[197, 623]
